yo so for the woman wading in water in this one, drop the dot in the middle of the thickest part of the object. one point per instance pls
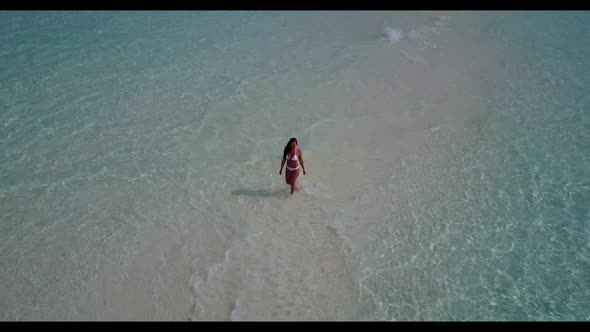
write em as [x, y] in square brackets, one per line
[292, 155]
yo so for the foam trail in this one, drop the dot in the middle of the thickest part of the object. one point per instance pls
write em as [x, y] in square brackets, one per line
[394, 35]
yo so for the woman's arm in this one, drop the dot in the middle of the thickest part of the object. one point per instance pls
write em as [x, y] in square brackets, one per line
[282, 164]
[301, 161]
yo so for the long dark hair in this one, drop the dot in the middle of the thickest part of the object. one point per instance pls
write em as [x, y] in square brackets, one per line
[287, 148]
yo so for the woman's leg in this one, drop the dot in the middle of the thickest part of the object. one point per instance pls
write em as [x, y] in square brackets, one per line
[288, 176]
[294, 175]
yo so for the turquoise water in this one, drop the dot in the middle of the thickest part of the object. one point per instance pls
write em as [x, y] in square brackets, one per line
[500, 231]
[447, 155]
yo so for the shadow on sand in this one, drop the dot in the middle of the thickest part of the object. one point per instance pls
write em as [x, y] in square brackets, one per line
[260, 193]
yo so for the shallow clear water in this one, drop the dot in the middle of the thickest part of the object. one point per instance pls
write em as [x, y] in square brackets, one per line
[498, 229]
[447, 156]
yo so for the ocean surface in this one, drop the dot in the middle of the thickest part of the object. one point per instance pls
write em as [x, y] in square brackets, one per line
[447, 157]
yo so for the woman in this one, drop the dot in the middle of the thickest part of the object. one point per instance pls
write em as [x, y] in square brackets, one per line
[292, 155]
